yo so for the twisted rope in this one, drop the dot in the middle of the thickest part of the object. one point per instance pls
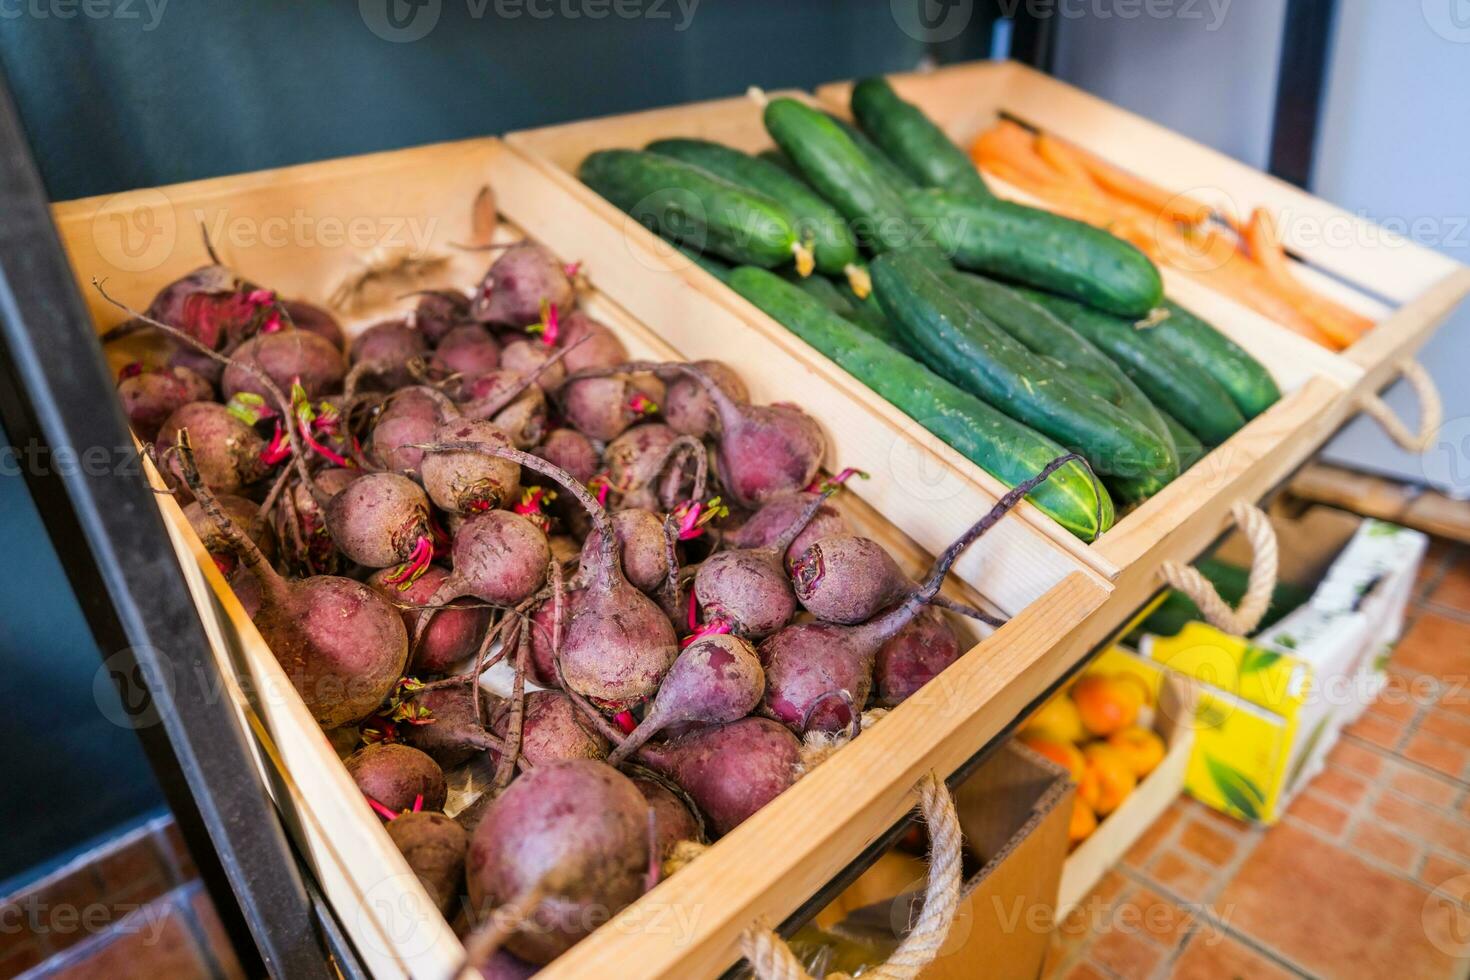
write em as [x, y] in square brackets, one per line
[1431, 410]
[817, 747]
[772, 959]
[1257, 599]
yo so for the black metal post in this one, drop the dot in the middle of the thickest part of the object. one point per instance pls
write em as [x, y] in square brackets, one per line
[1301, 81]
[58, 408]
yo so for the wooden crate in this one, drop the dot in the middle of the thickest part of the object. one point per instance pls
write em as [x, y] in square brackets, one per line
[301, 230]
[703, 318]
[1407, 288]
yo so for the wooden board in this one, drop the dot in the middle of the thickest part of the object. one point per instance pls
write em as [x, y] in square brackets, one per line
[703, 318]
[302, 230]
[1409, 289]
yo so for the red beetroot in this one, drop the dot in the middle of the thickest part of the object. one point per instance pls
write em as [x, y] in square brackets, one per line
[688, 409]
[341, 644]
[602, 408]
[524, 277]
[467, 351]
[439, 311]
[570, 839]
[730, 771]
[643, 545]
[516, 408]
[914, 657]
[673, 818]
[150, 395]
[301, 524]
[470, 482]
[533, 357]
[381, 520]
[766, 525]
[434, 847]
[286, 356]
[716, 679]
[499, 557]
[807, 663]
[595, 345]
[635, 458]
[746, 589]
[228, 452]
[552, 730]
[453, 732]
[454, 634]
[397, 777]
[245, 513]
[572, 451]
[393, 344]
[313, 319]
[847, 578]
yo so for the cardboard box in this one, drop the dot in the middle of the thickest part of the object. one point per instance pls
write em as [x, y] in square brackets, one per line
[1268, 709]
[1014, 812]
[1173, 719]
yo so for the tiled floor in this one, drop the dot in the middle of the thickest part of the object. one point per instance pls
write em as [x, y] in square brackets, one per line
[133, 908]
[1367, 876]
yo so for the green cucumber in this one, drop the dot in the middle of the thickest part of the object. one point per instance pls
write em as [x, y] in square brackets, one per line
[720, 270]
[816, 221]
[891, 172]
[1004, 448]
[781, 160]
[1044, 333]
[833, 164]
[961, 344]
[1187, 336]
[843, 302]
[1041, 249]
[1176, 386]
[1186, 444]
[694, 207]
[912, 141]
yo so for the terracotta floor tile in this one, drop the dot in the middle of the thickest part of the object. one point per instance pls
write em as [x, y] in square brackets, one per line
[1356, 757]
[214, 933]
[1185, 878]
[1340, 785]
[1395, 706]
[1094, 908]
[1331, 913]
[65, 906]
[1417, 820]
[173, 839]
[1423, 787]
[151, 944]
[1154, 917]
[1453, 589]
[1437, 646]
[1439, 869]
[1213, 955]
[1376, 843]
[1377, 729]
[1448, 726]
[1086, 971]
[1207, 843]
[1320, 811]
[130, 865]
[1125, 952]
[1437, 754]
[17, 958]
[1148, 842]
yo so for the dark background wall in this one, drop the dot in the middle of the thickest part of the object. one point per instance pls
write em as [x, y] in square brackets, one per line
[150, 95]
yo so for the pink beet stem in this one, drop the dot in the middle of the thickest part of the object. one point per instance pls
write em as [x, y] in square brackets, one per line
[832, 483]
[418, 562]
[277, 449]
[418, 802]
[380, 809]
[625, 721]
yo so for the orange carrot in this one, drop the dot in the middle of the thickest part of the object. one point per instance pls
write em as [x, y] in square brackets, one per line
[1061, 158]
[1344, 325]
[1121, 183]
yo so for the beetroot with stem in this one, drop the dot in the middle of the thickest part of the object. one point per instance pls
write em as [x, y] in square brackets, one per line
[730, 771]
[381, 520]
[531, 357]
[301, 523]
[746, 589]
[914, 657]
[641, 542]
[674, 817]
[552, 730]
[572, 451]
[455, 633]
[409, 417]
[470, 482]
[807, 663]
[602, 407]
[568, 841]
[618, 643]
[525, 276]
[763, 527]
[594, 344]
[434, 847]
[150, 395]
[762, 450]
[397, 778]
[286, 357]
[687, 407]
[394, 345]
[229, 454]
[847, 578]
[341, 644]
[635, 458]
[245, 514]
[716, 679]
[453, 732]
[313, 319]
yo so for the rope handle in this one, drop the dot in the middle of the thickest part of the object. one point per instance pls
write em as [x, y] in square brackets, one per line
[1257, 599]
[771, 959]
[1431, 409]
